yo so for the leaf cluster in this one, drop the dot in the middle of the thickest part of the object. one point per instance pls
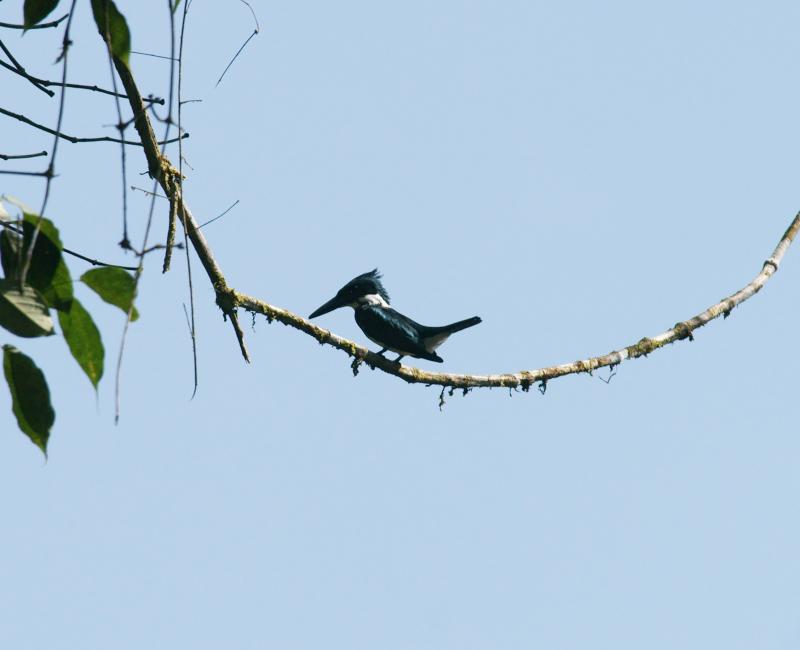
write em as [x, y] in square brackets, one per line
[36, 287]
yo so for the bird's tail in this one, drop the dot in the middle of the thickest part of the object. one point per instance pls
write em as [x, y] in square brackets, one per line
[461, 325]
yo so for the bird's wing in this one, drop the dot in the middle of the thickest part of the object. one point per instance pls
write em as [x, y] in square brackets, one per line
[390, 329]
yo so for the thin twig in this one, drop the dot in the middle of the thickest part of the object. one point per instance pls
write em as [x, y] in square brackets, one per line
[53, 23]
[21, 70]
[80, 256]
[121, 126]
[193, 322]
[148, 192]
[51, 166]
[173, 201]
[19, 156]
[192, 337]
[156, 56]
[24, 173]
[219, 216]
[74, 139]
[156, 247]
[92, 87]
[239, 51]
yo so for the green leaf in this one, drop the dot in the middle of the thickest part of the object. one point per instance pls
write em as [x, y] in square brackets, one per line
[113, 285]
[24, 314]
[48, 272]
[175, 5]
[46, 252]
[30, 396]
[59, 294]
[83, 339]
[9, 253]
[35, 11]
[113, 28]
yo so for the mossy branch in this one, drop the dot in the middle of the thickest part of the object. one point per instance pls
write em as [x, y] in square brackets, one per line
[169, 178]
[524, 379]
[228, 299]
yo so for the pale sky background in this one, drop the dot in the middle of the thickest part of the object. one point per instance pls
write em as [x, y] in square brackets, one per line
[578, 174]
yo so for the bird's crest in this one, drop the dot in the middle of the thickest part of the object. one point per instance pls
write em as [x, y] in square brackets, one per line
[371, 282]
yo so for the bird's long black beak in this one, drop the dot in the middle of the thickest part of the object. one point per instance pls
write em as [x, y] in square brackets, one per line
[333, 303]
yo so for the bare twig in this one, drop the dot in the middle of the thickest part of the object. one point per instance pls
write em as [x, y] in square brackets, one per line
[92, 87]
[192, 321]
[74, 139]
[219, 216]
[19, 156]
[24, 173]
[192, 336]
[147, 192]
[80, 256]
[155, 56]
[54, 23]
[17, 67]
[121, 126]
[239, 51]
[173, 201]
[51, 166]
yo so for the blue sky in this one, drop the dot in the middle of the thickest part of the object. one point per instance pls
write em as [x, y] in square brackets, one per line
[580, 176]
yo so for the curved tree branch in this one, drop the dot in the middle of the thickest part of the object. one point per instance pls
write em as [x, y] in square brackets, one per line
[526, 378]
[228, 299]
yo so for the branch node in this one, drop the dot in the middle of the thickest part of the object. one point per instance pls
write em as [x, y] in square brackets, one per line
[729, 305]
[226, 298]
[641, 349]
[611, 375]
[683, 331]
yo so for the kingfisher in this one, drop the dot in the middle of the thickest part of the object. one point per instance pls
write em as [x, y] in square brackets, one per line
[387, 327]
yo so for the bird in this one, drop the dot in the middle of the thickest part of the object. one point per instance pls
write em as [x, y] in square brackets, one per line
[386, 326]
